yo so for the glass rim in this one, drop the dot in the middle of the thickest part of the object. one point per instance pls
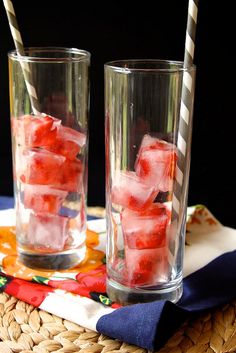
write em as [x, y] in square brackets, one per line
[125, 66]
[83, 55]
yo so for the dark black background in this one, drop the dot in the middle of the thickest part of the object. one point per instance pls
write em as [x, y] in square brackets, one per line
[119, 30]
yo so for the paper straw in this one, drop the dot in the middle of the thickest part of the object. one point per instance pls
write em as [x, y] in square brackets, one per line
[185, 108]
[20, 51]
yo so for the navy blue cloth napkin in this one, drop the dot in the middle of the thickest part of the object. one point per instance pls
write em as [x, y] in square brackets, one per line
[150, 325]
[6, 202]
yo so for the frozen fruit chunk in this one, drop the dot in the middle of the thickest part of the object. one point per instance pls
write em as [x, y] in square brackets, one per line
[69, 149]
[68, 134]
[70, 178]
[156, 209]
[129, 191]
[35, 131]
[42, 167]
[146, 267]
[68, 142]
[43, 198]
[47, 232]
[147, 229]
[155, 163]
[47, 168]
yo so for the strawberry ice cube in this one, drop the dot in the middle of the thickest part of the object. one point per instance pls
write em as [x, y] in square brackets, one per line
[68, 134]
[68, 142]
[69, 149]
[47, 168]
[35, 131]
[155, 163]
[71, 176]
[43, 198]
[129, 191]
[47, 232]
[146, 267]
[42, 167]
[147, 229]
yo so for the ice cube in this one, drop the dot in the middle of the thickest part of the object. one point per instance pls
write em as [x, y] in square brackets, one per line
[35, 131]
[42, 167]
[147, 229]
[47, 232]
[68, 142]
[47, 168]
[155, 163]
[147, 267]
[43, 198]
[129, 191]
[71, 176]
[68, 134]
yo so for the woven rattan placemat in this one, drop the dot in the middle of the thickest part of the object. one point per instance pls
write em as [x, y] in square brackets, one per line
[25, 329]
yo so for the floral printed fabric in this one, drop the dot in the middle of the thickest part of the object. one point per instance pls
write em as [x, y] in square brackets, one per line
[89, 279]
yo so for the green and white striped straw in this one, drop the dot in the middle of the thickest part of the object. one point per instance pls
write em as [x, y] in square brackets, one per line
[21, 52]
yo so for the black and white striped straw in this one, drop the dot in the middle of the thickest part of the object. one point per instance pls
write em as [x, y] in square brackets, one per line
[185, 107]
[21, 52]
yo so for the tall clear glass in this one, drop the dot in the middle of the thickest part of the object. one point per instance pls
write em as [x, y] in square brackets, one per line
[49, 95]
[145, 238]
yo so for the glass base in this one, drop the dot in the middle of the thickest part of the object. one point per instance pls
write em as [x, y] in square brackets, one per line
[54, 261]
[126, 296]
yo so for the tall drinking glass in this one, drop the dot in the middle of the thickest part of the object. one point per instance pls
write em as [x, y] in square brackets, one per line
[49, 94]
[145, 237]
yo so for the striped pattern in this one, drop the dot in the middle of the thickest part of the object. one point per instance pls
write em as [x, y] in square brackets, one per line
[185, 109]
[20, 51]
